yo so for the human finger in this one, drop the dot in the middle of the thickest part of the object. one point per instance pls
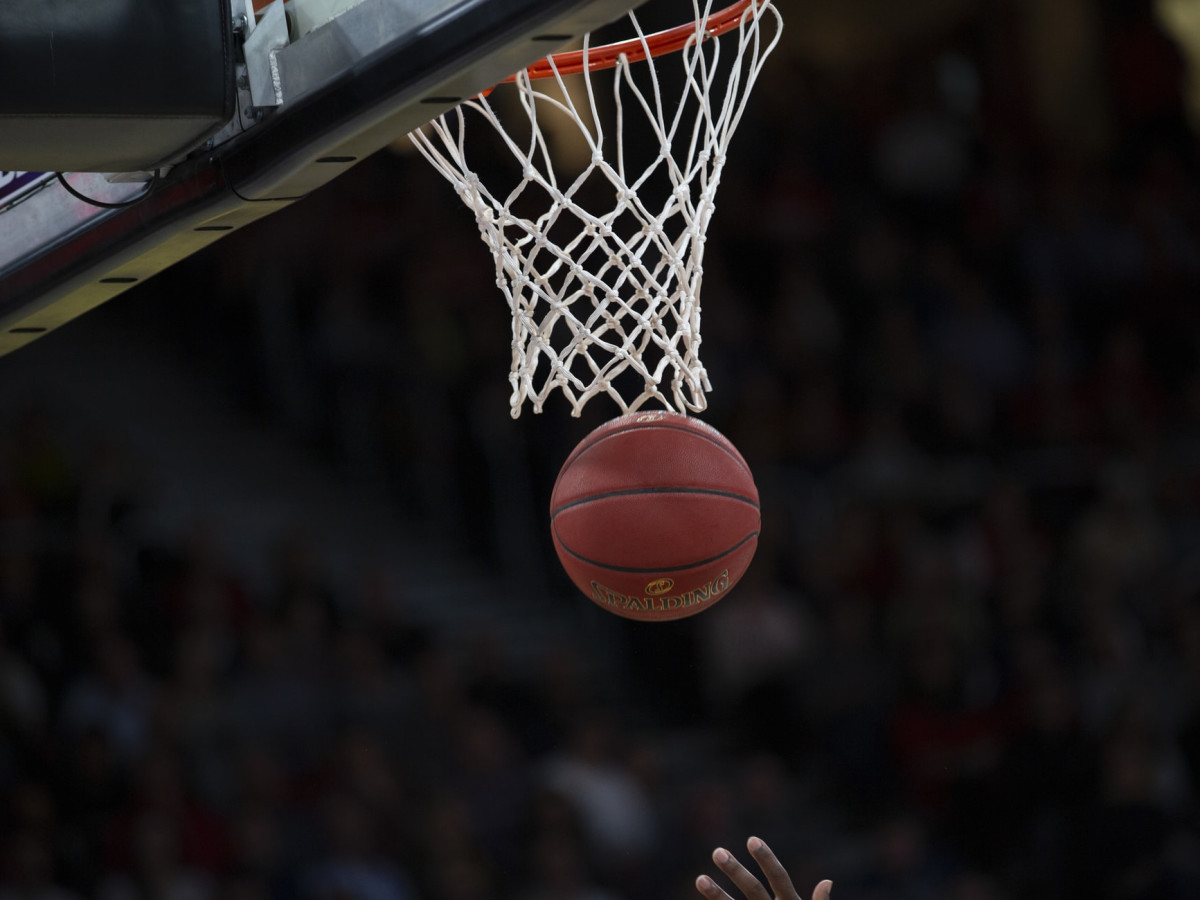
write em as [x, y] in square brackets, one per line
[777, 875]
[747, 883]
[821, 891]
[711, 890]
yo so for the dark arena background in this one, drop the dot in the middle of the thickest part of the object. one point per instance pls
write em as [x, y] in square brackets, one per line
[279, 613]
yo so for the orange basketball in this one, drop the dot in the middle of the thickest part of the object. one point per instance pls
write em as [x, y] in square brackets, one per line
[655, 516]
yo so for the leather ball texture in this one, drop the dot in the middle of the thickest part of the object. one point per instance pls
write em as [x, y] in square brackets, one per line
[655, 516]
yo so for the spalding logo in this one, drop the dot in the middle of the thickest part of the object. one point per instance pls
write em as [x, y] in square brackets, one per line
[660, 586]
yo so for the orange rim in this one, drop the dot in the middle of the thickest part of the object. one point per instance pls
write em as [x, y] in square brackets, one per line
[637, 49]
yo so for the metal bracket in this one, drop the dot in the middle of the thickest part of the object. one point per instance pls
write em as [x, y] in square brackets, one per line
[262, 44]
[308, 15]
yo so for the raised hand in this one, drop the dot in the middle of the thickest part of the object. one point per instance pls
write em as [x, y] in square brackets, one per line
[753, 889]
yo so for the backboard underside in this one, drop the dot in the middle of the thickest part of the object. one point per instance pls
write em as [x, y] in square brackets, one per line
[335, 92]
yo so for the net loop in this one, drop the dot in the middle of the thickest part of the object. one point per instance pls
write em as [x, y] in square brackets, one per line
[600, 254]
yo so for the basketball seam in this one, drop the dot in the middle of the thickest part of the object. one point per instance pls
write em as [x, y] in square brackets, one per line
[655, 569]
[711, 492]
[579, 451]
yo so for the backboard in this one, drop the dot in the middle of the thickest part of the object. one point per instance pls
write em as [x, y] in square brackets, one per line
[320, 84]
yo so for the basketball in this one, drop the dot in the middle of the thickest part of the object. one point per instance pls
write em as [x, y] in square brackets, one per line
[655, 516]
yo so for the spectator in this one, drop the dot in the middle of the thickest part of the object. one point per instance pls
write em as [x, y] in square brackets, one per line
[115, 696]
[28, 870]
[616, 814]
[351, 865]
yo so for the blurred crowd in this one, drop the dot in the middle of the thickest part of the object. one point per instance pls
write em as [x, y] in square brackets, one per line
[958, 349]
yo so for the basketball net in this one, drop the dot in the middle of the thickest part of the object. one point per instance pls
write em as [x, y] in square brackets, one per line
[601, 260]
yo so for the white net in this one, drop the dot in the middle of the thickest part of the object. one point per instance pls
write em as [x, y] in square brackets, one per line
[602, 263]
